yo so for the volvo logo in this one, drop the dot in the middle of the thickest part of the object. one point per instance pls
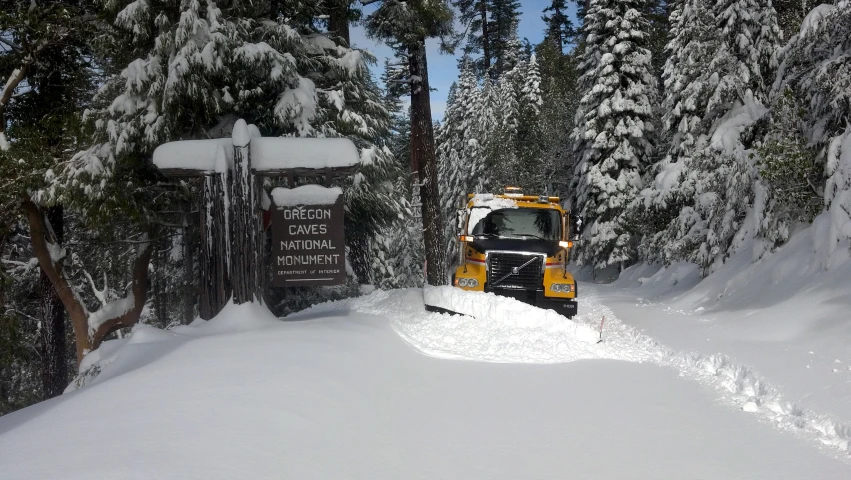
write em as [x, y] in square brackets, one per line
[515, 270]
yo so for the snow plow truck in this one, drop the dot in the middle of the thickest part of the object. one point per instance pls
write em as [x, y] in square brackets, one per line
[518, 246]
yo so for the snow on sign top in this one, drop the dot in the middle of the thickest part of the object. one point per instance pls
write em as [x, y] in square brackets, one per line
[268, 154]
[197, 155]
[281, 153]
[306, 195]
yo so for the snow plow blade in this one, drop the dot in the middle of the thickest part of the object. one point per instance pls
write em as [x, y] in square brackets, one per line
[448, 300]
[455, 301]
[434, 309]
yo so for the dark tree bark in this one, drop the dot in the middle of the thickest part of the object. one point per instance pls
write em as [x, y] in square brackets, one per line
[423, 161]
[245, 228]
[215, 282]
[338, 20]
[54, 368]
[359, 256]
[486, 45]
[160, 300]
[188, 266]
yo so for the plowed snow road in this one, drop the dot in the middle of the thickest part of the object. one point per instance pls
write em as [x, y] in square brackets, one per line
[354, 391]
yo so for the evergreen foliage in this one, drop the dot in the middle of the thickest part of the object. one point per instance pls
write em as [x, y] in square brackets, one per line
[614, 133]
[560, 30]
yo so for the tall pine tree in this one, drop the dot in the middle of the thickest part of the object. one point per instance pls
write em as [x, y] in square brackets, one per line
[613, 138]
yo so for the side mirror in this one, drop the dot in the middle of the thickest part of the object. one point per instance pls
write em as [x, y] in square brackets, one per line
[461, 218]
[577, 224]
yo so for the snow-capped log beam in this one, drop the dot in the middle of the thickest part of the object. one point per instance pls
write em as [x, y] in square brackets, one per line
[270, 156]
[231, 263]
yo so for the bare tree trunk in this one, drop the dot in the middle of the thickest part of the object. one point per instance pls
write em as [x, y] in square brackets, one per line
[159, 292]
[423, 161]
[338, 20]
[188, 267]
[486, 45]
[559, 37]
[41, 236]
[359, 255]
[54, 369]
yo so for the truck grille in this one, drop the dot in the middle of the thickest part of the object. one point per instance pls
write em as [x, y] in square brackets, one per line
[529, 277]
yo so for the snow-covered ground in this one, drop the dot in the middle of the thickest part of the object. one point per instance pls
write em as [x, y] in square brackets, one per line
[375, 387]
[788, 317]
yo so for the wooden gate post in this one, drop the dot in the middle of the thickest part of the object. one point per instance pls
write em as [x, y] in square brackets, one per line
[213, 266]
[246, 222]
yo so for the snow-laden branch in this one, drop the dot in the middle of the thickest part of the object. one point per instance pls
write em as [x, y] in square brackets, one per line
[101, 295]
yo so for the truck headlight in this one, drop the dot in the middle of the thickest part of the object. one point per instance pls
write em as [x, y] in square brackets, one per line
[468, 282]
[562, 287]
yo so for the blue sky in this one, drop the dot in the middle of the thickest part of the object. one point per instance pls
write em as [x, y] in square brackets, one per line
[443, 69]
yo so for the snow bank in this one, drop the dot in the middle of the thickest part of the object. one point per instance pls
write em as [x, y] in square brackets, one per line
[232, 318]
[498, 329]
[735, 383]
[306, 195]
[334, 393]
[112, 359]
[504, 330]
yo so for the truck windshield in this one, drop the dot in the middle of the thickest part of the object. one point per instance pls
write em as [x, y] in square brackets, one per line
[536, 223]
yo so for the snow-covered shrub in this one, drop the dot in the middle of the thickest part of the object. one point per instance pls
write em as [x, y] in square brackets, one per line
[789, 177]
[837, 198]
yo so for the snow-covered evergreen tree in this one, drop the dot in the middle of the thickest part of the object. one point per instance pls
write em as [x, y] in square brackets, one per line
[613, 138]
[721, 58]
[504, 18]
[502, 141]
[531, 141]
[559, 26]
[461, 163]
[788, 190]
[687, 88]
[837, 198]
[816, 70]
[559, 89]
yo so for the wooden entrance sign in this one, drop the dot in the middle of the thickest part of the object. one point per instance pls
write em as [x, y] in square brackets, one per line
[232, 170]
[308, 239]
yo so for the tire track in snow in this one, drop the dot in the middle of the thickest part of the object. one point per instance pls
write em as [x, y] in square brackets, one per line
[738, 385]
[507, 331]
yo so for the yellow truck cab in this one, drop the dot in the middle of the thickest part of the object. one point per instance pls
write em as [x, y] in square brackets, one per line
[518, 246]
